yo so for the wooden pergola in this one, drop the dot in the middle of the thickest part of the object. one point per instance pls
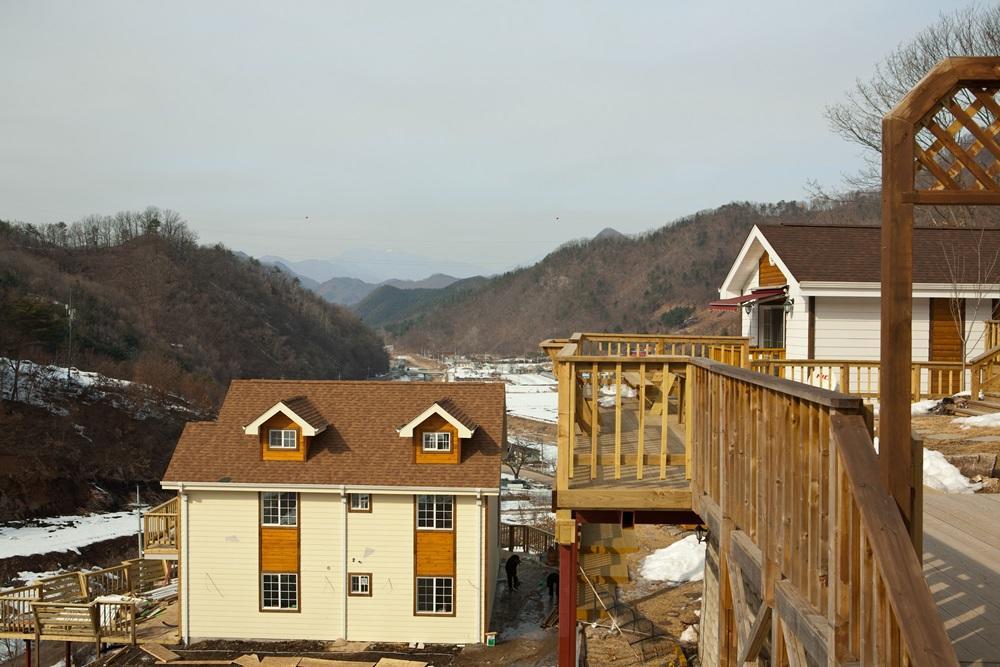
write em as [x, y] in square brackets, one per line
[939, 147]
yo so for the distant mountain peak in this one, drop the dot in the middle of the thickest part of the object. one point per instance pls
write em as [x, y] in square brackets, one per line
[608, 233]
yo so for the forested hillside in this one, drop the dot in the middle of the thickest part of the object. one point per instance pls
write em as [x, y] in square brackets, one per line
[389, 306]
[152, 305]
[659, 281]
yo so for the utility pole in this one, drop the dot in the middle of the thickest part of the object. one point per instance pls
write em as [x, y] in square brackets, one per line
[70, 316]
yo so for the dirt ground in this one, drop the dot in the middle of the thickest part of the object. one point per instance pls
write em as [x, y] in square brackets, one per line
[531, 429]
[962, 443]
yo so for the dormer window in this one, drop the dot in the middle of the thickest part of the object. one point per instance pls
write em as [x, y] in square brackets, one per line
[282, 438]
[437, 441]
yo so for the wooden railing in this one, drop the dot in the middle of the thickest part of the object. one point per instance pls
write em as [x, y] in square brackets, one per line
[992, 336]
[524, 538]
[928, 379]
[986, 372]
[765, 353]
[614, 421]
[159, 528]
[735, 349]
[813, 551]
[59, 602]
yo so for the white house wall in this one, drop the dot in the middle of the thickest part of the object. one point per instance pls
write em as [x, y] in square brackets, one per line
[797, 325]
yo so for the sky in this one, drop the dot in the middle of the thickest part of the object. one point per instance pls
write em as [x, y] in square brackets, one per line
[485, 132]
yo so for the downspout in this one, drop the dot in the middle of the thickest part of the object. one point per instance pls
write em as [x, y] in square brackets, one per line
[344, 583]
[482, 567]
[185, 567]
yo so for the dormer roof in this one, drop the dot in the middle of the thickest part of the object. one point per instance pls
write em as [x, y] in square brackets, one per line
[299, 409]
[447, 410]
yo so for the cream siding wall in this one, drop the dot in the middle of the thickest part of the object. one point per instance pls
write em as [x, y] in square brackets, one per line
[224, 602]
[849, 328]
[797, 326]
[493, 554]
[381, 542]
[222, 563]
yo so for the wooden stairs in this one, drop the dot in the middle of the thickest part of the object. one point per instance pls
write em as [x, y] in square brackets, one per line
[602, 550]
[989, 404]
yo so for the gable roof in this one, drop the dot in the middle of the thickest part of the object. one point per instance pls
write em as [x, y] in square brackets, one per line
[299, 409]
[360, 445]
[447, 410]
[831, 253]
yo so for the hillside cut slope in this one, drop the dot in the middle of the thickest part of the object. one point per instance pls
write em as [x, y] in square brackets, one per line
[661, 281]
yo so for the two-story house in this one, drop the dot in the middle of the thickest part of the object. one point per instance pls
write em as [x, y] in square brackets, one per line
[324, 510]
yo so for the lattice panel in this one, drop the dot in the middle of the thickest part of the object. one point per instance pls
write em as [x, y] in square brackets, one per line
[957, 147]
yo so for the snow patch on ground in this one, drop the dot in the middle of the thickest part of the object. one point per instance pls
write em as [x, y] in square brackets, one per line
[991, 420]
[943, 476]
[682, 561]
[923, 407]
[540, 403]
[64, 533]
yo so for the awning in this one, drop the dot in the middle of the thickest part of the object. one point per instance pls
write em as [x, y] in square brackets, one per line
[735, 302]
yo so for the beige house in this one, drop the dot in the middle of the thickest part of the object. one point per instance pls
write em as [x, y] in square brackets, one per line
[324, 510]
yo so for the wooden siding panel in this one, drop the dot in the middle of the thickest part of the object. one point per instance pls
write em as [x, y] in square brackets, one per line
[279, 549]
[945, 342]
[769, 274]
[435, 553]
[281, 421]
[436, 423]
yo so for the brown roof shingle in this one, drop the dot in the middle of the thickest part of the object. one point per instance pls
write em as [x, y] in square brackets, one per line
[303, 407]
[360, 445]
[852, 253]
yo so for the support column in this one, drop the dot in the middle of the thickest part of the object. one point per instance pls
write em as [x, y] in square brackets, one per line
[895, 459]
[568, 559]
[27, 653]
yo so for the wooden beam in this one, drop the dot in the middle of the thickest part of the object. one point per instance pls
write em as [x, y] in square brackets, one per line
[802, 620]
[895, 459]
[748, 556]
[619, 498]
[759, 632]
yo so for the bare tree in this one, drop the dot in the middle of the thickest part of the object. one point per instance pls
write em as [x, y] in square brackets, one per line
[973, 31]
[518, 454]
[975, 281]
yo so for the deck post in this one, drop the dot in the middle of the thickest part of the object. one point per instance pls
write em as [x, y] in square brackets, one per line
[69, 654]
[895, 454]
[27, 653]
[568, 558]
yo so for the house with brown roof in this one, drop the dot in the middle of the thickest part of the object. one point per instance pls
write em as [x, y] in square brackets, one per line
[813, 291]
[358, 510]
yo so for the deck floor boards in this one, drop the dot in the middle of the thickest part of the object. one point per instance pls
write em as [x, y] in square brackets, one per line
[962, 568]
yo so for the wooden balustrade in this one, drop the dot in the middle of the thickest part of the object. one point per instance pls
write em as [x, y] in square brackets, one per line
[765, 353]
[992, 336]
[60, 599]
[928, 379]
[985, 370]
[524, 538]
[159, 528]
[814, 555]
[736, 350]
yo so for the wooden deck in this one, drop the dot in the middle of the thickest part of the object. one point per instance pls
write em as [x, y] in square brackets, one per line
[962, 568]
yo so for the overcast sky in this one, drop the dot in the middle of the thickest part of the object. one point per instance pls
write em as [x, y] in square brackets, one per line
[438, 128]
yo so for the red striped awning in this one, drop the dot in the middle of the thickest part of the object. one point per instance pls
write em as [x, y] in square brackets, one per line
[734, 303]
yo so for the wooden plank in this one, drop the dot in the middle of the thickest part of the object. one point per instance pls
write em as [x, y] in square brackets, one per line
[594, 419]
[160, 652]
[801, 620]
[641, 444]
[830, 399]
[759, 632]
[618, 420]
[652, 498]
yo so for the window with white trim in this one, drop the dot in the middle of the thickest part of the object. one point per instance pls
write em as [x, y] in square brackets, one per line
[282, 438]
[437, 441]
[279, 591]
[435, 512]
[361, 584]
[435, 595]
[279, 509]
[361, 502]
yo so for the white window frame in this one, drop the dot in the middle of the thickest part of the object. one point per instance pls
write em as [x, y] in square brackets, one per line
[283, 442]
[287, 583]
[436, 441]
[363, 587]
[437, 588]
[287, 503]
[356, 504]
[439, 518]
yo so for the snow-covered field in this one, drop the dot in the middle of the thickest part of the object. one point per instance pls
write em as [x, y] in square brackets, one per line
[531, 387]
[64, 533]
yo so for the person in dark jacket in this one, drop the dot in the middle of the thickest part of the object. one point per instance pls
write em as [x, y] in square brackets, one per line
[511, 567]
[552, 581]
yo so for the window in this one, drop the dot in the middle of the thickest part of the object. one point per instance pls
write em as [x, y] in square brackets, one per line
[361, 584]
[280, 591]
[437, 442]
[282, 438]
[279, 509]
[435, 512]
[361, 502]
[435, 595]
[771, 326]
